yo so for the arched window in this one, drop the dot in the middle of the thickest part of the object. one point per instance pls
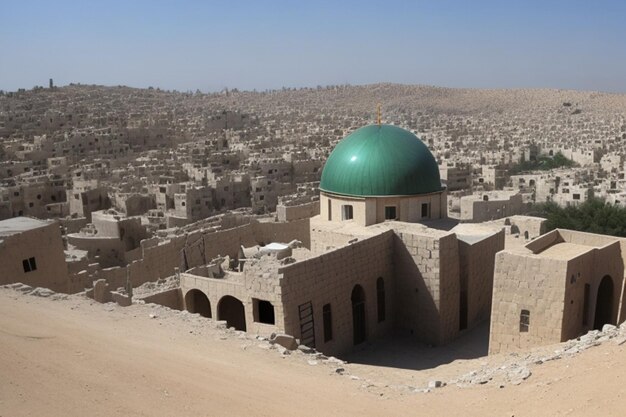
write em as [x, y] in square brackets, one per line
[380, 297]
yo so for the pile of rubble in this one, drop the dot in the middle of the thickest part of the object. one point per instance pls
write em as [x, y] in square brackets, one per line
[517, 368]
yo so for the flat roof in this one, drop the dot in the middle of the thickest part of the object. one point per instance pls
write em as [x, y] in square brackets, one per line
[564, 250]
[17, 225]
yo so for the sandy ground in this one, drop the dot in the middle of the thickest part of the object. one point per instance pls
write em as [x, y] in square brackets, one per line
[74, 357]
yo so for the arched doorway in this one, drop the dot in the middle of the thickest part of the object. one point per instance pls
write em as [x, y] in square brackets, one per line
[358, 314]
[232, 310]
[604, 303]
[197, 302]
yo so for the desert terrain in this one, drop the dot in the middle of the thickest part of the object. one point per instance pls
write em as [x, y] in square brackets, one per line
[69, 356]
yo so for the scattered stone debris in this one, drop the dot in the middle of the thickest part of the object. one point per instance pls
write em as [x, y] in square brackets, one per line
[436, 384]
[517, 370]
[284, 340]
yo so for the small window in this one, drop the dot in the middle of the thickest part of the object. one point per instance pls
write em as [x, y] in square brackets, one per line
[425, 210]
[328, 323]
[330, 210]
[390, 213]
[347, 212]
[29, 265]
[576, 196]
[263, 311]
[524, 321]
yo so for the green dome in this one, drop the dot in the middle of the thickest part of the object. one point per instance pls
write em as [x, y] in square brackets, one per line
[380, 160]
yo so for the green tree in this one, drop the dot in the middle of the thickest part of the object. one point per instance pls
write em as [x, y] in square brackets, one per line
[593, 216]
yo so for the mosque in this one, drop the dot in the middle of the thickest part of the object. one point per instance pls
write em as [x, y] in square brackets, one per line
[376, 256]
[380, 258]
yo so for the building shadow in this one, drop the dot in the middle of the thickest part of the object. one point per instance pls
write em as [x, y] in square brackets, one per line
[405, 352]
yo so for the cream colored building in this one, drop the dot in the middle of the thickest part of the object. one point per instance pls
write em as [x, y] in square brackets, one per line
[556, 288]
[31, 252]
[372, 264]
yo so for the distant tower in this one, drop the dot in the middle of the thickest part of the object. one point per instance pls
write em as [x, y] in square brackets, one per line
[51, 84]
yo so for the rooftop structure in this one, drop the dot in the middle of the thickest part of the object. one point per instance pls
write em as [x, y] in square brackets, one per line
[381, 160]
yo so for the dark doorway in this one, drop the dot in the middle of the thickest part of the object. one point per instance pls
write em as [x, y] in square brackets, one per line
[604, 303]
[232, 310]
[358, 314]
[197, 302]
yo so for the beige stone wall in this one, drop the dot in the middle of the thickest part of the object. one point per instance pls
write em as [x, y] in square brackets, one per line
[473, 210]
[530, 283]
[160, 260]
[284, 232]
[323, 240]
[477, 261]
[171, 298]
[302, 211]
[361, 214]
[260, 280]
[551, 285]
[427, 285]
[46, 246]
[371, 210]
[108, 251]
[590, 268]
[580, 271]
[528, 227]
[330, 279]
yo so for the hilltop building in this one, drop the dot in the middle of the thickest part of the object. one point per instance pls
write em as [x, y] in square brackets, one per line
[381, 257]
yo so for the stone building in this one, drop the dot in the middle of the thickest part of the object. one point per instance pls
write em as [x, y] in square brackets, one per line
[490, 205]
[556, 288]
[381, 173]
[31, 252]
[370, 263]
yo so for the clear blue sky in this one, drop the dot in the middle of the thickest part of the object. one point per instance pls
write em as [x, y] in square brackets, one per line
[269, 44]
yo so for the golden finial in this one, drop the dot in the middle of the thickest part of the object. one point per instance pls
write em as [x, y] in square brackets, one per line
[378, 114]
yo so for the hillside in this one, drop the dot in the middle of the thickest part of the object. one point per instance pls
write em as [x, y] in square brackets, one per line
[68, 356]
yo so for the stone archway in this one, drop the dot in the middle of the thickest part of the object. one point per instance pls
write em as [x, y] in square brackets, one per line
[232, 310]
[359, 323]
[197, 302]
[604, 303]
